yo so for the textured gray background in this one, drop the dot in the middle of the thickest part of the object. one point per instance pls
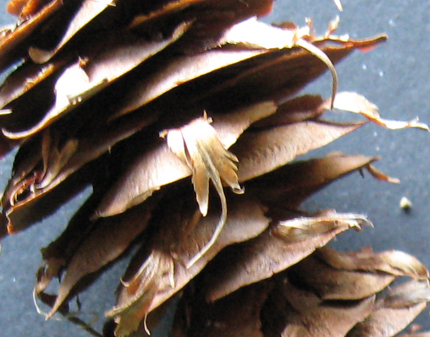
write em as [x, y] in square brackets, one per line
[394, 76]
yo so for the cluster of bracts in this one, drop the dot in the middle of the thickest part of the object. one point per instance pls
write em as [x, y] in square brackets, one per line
[184, 116]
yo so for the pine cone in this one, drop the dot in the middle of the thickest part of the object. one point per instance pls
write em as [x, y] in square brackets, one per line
[186, 117]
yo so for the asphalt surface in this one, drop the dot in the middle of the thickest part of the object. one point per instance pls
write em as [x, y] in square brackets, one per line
[395, 76]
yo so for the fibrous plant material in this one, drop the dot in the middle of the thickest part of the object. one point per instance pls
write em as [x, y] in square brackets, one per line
[186, 117]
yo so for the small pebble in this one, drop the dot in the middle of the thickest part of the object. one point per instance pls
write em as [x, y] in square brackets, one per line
[405, 203]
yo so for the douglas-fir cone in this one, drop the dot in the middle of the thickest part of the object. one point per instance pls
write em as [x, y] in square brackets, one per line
[186, 117]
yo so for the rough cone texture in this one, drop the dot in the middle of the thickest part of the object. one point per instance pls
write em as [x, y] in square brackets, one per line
[184, 117]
